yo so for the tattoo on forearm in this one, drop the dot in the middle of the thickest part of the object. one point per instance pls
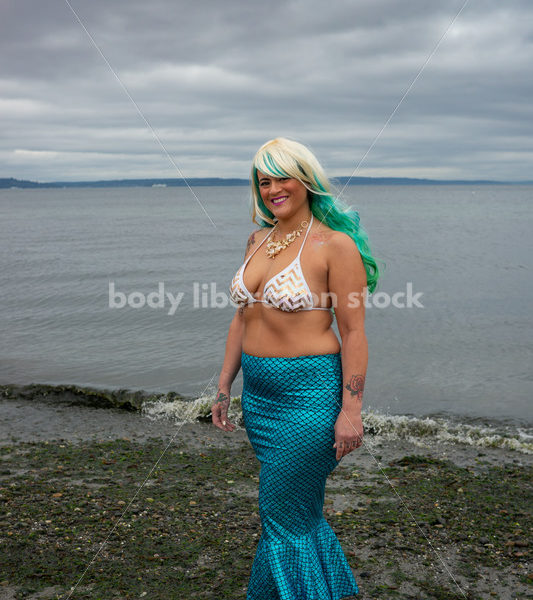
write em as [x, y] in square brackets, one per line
[356, 385]
[221, 397]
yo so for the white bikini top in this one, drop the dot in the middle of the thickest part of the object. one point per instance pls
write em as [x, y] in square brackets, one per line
[287, 291]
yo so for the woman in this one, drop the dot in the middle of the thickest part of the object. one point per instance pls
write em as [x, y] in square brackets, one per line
[302, 392]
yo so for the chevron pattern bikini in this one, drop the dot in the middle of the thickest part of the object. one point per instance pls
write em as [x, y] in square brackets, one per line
[287, 291]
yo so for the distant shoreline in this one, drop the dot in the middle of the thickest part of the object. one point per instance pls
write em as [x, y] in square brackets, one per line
[12, 183]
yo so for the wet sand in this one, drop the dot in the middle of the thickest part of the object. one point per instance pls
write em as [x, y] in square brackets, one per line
[416, 520]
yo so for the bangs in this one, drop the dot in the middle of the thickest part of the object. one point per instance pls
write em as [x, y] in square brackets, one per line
[276, 164]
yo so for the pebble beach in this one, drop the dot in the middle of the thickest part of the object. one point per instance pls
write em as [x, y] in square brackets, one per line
[101, 502]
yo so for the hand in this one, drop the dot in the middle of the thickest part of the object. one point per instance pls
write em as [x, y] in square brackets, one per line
[348, 432]
[219, 411]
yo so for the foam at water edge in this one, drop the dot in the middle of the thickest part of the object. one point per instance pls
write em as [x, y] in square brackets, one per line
[414, 429]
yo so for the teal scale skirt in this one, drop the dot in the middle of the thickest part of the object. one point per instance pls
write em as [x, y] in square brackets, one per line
[289, 407]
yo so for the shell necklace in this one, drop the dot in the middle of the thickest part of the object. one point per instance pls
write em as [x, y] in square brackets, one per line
[275, 247]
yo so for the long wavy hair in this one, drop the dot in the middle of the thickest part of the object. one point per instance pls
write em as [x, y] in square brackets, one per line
[282, 157]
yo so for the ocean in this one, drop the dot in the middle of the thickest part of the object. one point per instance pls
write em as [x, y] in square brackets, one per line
[461, 354]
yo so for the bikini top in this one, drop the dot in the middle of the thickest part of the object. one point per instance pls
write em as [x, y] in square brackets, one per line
[287, 291]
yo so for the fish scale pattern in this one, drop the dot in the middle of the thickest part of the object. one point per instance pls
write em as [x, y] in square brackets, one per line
[289, 407]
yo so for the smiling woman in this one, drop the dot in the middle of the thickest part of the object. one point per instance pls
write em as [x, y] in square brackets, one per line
[302, 393]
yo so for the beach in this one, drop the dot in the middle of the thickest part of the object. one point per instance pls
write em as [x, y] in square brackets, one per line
[116, 504]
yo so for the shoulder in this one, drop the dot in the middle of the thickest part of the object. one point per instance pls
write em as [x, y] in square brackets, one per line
[255, 238]
[343, 251]
[340, 241]
[330, 240]
[325, 235]
[346, 269]
[259, 234]
[320, 236]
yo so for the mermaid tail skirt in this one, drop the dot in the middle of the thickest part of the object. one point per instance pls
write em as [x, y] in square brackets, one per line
[289, 406]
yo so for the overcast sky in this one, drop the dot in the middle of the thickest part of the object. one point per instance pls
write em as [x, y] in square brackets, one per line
[217, 79]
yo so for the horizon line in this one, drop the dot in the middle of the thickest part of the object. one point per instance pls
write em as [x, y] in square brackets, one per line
[175, 182]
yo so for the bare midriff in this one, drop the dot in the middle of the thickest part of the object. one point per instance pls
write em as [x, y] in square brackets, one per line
[269, 331]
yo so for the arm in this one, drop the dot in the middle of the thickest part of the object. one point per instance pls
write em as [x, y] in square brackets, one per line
[232, 356]
[230, 368]
[347, 283]
[231, 364]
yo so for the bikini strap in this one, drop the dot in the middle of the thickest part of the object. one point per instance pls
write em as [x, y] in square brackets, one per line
[270, 233]
[306, 234]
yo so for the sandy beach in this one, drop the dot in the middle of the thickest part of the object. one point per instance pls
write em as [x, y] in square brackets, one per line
[116, 505]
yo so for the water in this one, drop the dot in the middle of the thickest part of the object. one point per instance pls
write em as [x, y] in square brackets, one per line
[465, 355]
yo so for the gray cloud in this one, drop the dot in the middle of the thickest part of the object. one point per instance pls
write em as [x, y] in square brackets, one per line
[215, 80]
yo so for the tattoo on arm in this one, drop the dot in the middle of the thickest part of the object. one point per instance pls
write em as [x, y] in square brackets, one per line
[251, 242]
[356, 385]
[221, 397]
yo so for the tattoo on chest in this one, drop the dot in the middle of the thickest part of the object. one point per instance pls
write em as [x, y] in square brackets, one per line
[356, 385]
[319, 238]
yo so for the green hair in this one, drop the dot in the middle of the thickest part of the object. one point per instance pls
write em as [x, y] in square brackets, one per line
[286, 158]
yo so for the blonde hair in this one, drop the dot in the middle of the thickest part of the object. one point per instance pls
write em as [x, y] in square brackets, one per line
[282, 157]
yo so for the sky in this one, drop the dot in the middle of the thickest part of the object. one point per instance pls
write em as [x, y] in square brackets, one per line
[194, 88]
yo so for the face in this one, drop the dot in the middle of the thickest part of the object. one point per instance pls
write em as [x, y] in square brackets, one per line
[281, 195]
